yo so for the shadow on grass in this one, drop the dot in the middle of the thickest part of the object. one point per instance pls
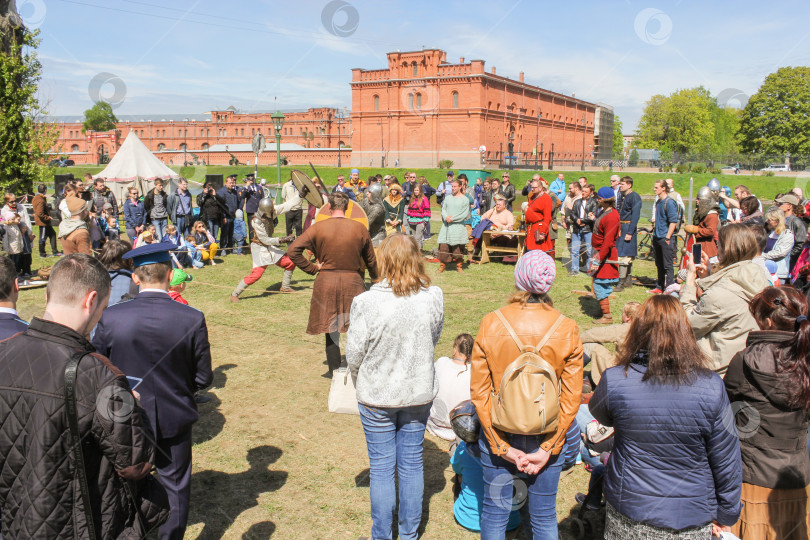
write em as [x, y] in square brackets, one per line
[259, 531]
[211, 419]
[590, 306]
[436, 461]
[219, 498]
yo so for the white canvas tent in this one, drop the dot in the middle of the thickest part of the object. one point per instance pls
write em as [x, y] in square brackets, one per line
[134, 165]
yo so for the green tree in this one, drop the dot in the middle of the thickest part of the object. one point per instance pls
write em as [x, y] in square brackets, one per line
[776, 119]
[24, 137]
[618, 137]
[726, 122]
[682, 122]
[652, 127]
[633, 157]
[99, 117]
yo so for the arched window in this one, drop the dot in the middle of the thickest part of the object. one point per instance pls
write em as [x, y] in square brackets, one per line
[418, 101]
[415, 70]
[183, 146]
[410, 102]
[455, 100]
[161, 147]
[205, 146]
[376, 103]
[74, 148]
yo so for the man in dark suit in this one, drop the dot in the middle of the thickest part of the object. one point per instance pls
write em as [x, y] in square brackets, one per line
[10, 322]
[251, 194]
[164, 343]
[233, 202]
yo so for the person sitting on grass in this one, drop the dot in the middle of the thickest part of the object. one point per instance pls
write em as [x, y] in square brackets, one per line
[180, 253]
[178, 284]
[466, 463]
[205, 242]
[193, 252]
[453, 375]
[593, 341]
[146, 237]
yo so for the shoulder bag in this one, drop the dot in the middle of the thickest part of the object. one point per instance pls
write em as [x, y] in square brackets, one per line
[342, 395]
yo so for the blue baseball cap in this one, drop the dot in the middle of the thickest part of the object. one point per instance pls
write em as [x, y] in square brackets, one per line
[150, 254]
[353, 171]
[605, 192]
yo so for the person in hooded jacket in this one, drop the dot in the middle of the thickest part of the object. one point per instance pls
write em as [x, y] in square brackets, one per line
[769, 384]
[675, 470]
[719, 316]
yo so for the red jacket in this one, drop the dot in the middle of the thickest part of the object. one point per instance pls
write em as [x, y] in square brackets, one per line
[538, 218]
[177, 298]
[605, 232]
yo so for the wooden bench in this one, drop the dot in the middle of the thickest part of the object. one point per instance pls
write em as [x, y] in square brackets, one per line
[487, 247]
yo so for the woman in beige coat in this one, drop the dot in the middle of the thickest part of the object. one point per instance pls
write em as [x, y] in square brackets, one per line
[716, 298]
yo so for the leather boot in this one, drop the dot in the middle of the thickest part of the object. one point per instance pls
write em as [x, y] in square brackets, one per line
[238, 290]
[607, 318]
[458, 267]
[442, 267]
[285, 282]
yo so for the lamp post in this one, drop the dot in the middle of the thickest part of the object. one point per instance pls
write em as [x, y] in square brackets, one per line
[537, 141]
[339, 118]
[583, 141]
[278, 123]
[185, 142]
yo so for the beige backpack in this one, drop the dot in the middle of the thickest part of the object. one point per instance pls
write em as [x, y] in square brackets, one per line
[529, 399]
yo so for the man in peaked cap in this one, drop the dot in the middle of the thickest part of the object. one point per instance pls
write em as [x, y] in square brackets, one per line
[165, 344]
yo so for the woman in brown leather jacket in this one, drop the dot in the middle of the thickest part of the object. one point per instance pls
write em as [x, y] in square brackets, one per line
[531, 314]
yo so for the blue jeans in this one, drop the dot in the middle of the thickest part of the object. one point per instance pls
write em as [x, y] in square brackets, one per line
[160, 228]
[213, 227]
[584, 417]
[539, 512]
[183, 224]
[239, 244]
[394, 438]
[196, 257]
[579, 241]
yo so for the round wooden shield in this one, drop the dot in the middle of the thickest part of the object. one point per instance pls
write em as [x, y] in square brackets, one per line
[354, 212]
[303, 184]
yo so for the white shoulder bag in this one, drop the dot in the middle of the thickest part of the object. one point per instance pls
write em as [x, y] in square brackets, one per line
[342, 395]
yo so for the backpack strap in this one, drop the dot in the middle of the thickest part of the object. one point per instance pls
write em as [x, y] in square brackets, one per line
[519, 343]
[511, 331]
[550, 332]
[71, 371]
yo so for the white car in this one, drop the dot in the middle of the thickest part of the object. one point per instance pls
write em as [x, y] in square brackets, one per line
[776, 168]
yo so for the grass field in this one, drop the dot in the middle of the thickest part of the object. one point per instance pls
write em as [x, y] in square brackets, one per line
[269, 460]
[766, 187]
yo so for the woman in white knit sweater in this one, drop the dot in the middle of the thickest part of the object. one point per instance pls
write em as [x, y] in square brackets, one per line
[393, 330]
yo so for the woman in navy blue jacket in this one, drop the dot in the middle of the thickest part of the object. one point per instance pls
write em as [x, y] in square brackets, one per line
[675, 470]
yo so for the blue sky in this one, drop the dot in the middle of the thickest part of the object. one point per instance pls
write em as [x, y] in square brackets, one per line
[187, 56]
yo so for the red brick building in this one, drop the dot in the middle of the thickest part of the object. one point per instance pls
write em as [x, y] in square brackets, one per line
[421, 110]
[414, 113]
[311, 135]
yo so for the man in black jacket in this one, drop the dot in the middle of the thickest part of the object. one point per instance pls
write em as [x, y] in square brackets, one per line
[251, 194]
[233, 201]
[40, 487]
[168, 349]
[583, 214]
